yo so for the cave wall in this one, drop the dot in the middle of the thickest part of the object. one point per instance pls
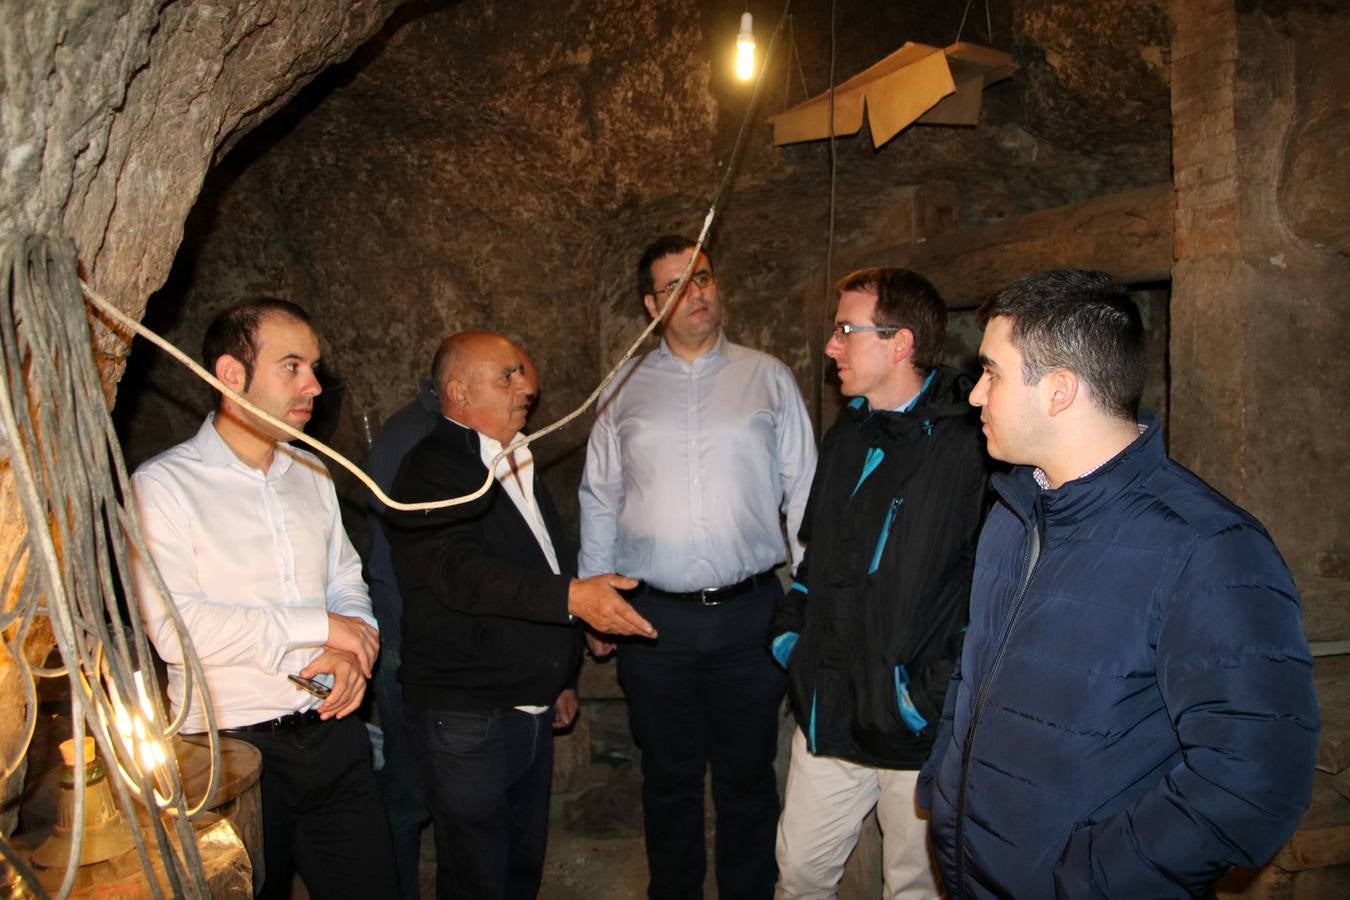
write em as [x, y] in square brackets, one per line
[491, 165]
[1260, 373]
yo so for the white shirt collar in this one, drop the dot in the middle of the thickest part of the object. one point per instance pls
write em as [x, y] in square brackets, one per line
[215, 452]
[716, 351]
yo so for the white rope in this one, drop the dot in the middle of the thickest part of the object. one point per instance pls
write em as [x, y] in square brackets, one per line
[105, 306]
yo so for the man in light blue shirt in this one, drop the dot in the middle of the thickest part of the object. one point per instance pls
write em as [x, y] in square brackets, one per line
[699, 448]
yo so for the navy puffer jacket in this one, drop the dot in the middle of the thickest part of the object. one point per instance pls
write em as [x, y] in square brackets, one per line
[1134, 710]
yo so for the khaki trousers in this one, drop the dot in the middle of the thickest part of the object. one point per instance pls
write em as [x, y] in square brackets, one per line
[827, 800]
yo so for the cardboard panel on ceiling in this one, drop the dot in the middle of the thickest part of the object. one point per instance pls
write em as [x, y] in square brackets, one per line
[916, 83]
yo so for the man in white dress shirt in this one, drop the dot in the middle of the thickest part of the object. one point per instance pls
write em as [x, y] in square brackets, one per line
[246, 533]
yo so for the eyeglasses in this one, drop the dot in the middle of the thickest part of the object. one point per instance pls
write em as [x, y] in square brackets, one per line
[700, 279]
[844, 329]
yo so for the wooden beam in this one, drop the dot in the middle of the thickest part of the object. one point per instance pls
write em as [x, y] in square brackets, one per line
[1128, 235]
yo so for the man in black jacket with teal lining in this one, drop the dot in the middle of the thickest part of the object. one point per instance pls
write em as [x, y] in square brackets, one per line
[873, 624]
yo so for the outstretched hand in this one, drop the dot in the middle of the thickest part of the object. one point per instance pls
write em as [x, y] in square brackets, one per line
[596, 601]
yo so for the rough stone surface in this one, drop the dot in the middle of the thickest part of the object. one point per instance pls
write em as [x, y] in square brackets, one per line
[114, 111]
[1097, 74]
[1314, 190]
[1258, 323]
[501, 166]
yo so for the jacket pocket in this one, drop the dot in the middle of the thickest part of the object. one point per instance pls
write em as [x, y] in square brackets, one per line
[909, 713]
[928, 688]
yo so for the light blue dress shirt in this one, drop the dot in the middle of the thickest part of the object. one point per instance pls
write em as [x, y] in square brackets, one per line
[689, 466]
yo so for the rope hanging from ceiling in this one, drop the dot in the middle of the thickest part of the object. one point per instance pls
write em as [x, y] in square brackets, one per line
[128, 324]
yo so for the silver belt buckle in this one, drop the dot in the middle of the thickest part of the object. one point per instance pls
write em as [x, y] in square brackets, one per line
[706, 593]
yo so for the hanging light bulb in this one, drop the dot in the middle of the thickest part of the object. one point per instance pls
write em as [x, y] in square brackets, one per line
[745, 49]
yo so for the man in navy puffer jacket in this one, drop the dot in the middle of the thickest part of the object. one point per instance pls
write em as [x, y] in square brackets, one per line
[1133, 713]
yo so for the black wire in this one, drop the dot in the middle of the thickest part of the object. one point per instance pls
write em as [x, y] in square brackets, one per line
[739, 145]
[827, 317]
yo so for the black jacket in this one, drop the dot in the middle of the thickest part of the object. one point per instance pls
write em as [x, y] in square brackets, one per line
[881, 595]
[485, 621]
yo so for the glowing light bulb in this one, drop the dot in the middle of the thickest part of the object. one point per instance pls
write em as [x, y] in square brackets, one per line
[745, 49]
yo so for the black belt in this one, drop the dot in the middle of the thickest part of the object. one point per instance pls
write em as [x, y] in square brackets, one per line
[293, 722]
[714, 596]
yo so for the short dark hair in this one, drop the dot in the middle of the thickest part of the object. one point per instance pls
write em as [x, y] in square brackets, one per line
[661, 247]
[907, 300]
[234, 331]
[1081, 321]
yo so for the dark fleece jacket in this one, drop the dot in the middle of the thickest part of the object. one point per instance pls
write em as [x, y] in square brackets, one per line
[485, 620]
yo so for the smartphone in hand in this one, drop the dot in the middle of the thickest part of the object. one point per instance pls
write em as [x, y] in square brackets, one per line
[317, 688]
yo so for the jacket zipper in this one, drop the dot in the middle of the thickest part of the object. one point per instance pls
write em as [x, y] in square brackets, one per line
[1030, 561]
[896, 503]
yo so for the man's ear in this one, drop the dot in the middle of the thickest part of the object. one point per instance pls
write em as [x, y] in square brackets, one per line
[457, 393]
[649, 301]
[232, 372]
[902, 345]
[1062, 386]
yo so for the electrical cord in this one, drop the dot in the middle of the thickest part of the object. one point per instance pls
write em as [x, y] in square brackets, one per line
[74, 564]
[828, 317]
[126, 323]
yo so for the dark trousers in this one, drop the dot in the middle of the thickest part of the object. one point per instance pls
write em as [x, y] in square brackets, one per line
[706, 693]
[399, 785]
[322, 814]
[486, 777]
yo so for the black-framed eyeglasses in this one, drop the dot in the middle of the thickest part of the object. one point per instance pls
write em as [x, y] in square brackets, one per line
[700, 279]
[844, 329]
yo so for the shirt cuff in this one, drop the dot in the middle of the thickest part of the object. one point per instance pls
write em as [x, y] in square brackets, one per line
[307, 627]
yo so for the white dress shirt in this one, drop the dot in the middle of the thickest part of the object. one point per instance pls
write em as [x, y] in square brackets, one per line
[519, 486]
[689, 466]
[254, 562]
